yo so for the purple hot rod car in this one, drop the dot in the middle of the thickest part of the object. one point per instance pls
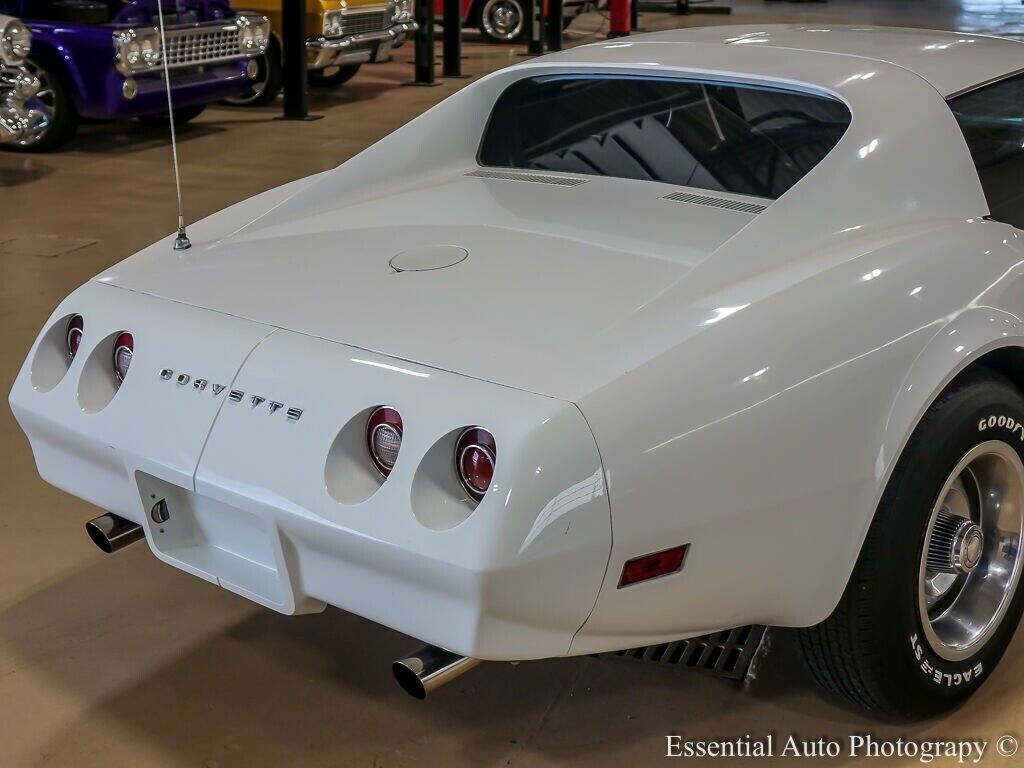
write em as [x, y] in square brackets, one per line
[103, 60]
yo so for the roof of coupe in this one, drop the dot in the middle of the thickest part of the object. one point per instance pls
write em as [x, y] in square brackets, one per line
[950, 61]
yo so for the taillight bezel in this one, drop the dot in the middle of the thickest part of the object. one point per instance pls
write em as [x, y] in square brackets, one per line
[481, 439]
[383, 417]
[75, 328]
[123, 340]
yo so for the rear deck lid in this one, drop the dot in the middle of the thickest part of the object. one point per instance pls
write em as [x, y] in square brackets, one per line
[548, 270]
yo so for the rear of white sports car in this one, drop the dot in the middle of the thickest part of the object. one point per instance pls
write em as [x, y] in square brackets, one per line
[656, 343]
[248, 456]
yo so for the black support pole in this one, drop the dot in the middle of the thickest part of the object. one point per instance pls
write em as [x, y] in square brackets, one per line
[293, 32]
[424, 56]
[634, 15]
[452, 43]
[536, 46]
[556, 18]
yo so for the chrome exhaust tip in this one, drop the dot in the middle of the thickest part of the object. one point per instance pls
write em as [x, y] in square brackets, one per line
[111, 533]
[428, 669]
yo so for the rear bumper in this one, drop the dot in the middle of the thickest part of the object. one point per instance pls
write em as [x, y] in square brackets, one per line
[357, 49]
[288, 513]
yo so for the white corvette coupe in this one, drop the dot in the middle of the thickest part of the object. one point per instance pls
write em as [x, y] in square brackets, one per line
[689, 331]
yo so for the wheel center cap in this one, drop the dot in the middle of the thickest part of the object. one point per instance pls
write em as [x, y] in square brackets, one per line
[968, 545]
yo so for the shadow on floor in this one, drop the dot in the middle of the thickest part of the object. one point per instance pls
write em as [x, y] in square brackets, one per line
[205, 676]
[17, 169]
[123, 137]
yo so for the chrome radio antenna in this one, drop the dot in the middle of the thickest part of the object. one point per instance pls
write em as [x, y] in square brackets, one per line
[181, 242]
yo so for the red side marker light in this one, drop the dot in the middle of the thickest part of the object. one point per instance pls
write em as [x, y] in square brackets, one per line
[652, 566]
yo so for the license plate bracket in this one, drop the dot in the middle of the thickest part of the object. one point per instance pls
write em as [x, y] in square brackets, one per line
[215, 541]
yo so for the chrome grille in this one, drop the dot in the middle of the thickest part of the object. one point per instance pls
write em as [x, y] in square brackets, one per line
[360, 22]
[196, 45]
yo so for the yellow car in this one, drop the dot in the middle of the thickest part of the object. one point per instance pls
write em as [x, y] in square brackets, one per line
[342, 36]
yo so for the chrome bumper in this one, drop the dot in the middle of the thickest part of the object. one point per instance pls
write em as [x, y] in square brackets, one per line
[357, 49]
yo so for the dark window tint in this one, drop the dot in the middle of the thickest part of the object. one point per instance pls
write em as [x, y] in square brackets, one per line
[723, 137]
[992, 119]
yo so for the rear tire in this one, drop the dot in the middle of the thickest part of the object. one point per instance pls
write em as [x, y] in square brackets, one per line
[889, 646]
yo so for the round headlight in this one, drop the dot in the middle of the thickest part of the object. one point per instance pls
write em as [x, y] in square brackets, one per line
[15, 42]
[133, 53]
[151, 50]
[403, 10]
[246, 38]
[261, 29]
[332, 24]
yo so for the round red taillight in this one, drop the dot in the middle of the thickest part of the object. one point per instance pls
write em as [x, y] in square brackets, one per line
[124, 347]
[475, 459]
[384, 438]
[73, 336]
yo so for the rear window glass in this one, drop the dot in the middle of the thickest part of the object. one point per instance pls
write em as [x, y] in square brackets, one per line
[724, 137]
[992, 119]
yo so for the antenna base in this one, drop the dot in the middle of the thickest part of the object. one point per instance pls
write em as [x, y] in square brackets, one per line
[181, 242]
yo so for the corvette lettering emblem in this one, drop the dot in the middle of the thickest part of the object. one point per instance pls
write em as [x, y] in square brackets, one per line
[234, 396]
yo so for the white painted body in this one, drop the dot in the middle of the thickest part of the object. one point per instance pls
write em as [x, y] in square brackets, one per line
[655, 373]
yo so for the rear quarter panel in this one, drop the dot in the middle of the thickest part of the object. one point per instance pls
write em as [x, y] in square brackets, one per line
[764, 441]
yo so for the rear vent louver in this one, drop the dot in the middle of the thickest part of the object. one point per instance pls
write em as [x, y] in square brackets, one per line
[723, 654]
[536, 178]
[715, 202]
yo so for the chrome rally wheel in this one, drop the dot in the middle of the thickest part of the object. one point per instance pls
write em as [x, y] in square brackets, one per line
[934, 598]
[53, 119]
[502, 21]
[971, 562]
